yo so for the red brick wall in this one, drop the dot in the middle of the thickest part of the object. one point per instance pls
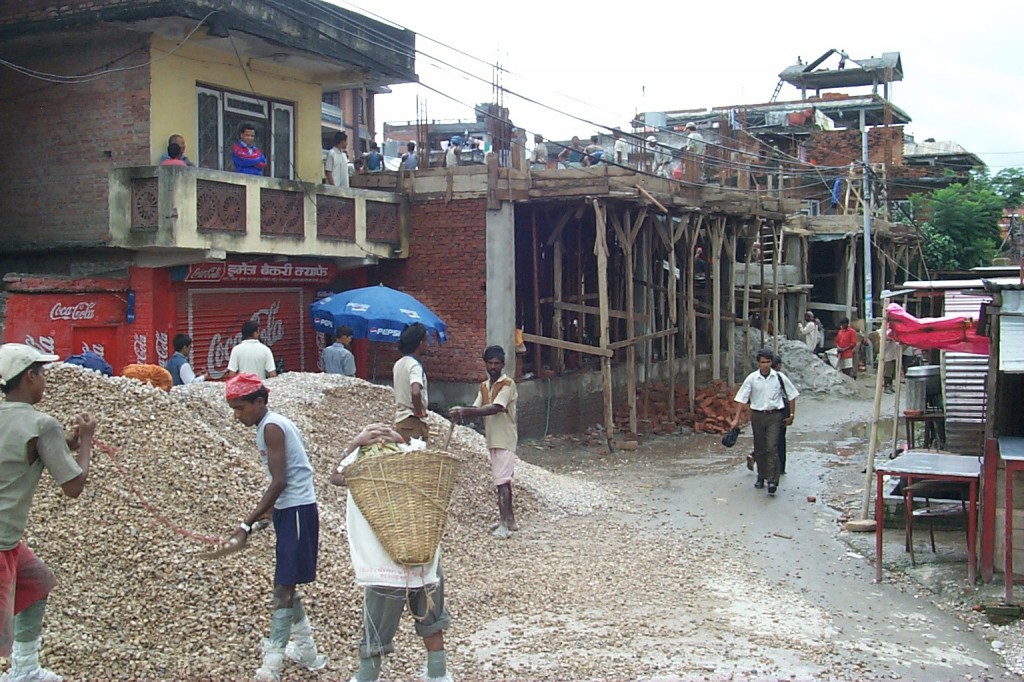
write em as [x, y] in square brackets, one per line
[63, 139]
[841, 147]
[447, 271]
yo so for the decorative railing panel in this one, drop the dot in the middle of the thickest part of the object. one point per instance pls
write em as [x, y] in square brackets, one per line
[145, 204]
[220, 207]
[281, 213]
[336, 218]
[382, 222]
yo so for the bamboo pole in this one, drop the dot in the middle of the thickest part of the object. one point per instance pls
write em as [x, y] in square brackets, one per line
[864, 523]
[556, 314]
[692, 317]
[746, 307]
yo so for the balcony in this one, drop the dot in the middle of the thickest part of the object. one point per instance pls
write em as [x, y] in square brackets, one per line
[168, 211]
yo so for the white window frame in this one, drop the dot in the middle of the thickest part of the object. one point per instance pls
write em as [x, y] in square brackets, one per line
[224, 99]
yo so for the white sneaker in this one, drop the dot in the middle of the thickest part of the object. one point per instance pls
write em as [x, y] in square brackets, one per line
[502, 533]
[35, 675]
[305, 654]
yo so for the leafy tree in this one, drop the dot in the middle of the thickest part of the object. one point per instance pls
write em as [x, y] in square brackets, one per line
[961, 224]
[1009, 185]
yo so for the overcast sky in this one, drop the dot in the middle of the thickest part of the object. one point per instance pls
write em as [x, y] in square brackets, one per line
[963, 65]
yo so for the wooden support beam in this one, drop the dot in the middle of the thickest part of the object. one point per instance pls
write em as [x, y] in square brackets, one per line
[717, 237]
[601, 251]
[536, 292]
[731, 339]
[640, 339]
[594, 310]
[556, 316]
[567, 345]
[647, 195]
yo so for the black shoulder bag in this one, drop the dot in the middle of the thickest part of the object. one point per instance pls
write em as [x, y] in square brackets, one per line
[785, 398]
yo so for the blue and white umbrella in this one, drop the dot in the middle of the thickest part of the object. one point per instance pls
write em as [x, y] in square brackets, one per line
[376, 313]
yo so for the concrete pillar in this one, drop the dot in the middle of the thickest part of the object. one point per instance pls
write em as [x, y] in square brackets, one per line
[501, 282]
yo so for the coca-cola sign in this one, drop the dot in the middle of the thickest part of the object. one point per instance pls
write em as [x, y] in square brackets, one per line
[235, 272]
[83, 310]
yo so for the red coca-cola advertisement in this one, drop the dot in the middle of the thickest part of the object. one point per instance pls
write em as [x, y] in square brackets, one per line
[67, 324]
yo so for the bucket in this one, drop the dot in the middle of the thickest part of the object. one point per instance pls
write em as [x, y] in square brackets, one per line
[916, 394]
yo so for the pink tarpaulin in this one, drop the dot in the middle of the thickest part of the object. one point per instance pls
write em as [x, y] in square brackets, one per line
[957, 334]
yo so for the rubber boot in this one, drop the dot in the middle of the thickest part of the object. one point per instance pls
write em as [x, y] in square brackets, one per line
[273, 661]
[25, 665]
[302, 648]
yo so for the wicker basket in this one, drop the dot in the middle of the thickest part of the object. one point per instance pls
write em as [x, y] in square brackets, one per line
[404, 497]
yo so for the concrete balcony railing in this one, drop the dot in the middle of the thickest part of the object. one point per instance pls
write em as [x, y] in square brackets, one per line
[172, 208]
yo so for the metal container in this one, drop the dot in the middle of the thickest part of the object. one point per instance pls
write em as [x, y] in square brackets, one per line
[924, 387]
[916, 396]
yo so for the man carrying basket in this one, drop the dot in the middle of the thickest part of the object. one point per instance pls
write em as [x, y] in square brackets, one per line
[387, 585]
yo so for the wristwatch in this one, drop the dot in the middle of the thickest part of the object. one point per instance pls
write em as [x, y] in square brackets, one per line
[246, 527]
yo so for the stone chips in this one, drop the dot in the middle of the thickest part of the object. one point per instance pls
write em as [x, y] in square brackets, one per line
[134, 602]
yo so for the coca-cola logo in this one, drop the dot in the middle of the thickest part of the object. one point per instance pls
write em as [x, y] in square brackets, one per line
[212, 273]
[84, 310]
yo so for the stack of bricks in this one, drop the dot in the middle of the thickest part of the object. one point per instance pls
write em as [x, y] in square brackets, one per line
[712, 410]
[843, 147]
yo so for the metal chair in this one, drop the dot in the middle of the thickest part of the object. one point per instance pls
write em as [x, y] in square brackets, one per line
[929, 490]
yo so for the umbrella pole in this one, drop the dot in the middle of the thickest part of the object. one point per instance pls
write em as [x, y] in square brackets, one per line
[864, 523]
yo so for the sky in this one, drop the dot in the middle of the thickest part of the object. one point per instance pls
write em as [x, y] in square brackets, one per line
[963, 67]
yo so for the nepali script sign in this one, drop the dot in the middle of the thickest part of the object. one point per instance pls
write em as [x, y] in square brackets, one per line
[259, 272]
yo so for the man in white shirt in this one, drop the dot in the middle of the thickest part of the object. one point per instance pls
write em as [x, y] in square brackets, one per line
[336, 166]
[620, 150]
[808, 331]
[768, 393]
[251, 355]
[411, 398]
[539, 160]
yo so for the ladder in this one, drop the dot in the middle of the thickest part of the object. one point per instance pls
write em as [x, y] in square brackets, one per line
[778, 89]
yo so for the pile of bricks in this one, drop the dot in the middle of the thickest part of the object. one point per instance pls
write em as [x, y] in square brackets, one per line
[711, 412]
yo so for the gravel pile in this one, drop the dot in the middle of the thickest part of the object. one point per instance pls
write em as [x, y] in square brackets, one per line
[135, 602]
[805, 369]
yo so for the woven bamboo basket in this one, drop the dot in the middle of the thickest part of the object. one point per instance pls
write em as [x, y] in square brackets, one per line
[404, 497]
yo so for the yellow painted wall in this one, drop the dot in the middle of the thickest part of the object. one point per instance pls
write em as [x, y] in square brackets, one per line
[174, 81]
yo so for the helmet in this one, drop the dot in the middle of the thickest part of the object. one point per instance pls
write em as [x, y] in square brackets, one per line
[691, 126]
[456, 140]
[652, 139]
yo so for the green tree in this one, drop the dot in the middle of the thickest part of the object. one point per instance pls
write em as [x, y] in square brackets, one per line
[1009, 185]
[960, 224]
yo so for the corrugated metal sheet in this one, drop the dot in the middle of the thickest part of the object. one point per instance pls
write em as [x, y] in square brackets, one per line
[964, 383]
[1011, 343]
[214, 318]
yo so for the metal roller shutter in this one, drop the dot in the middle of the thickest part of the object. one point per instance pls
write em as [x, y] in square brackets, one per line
[965, 379]
[214, 318]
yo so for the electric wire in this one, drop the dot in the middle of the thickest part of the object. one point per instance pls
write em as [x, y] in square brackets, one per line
[85, 78]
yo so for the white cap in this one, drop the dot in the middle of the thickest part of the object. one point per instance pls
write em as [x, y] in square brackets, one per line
[15, 358]
[652, 138]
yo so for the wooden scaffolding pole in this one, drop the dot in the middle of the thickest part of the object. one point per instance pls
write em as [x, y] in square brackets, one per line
[601, 251]
[731, 339]
[692, 309]
[717, 237]
[627, 239]
[746, 303]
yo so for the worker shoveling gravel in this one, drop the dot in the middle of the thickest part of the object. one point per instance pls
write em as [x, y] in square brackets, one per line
[135, 600]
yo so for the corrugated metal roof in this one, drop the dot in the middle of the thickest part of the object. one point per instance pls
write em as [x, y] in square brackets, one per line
[964, 382]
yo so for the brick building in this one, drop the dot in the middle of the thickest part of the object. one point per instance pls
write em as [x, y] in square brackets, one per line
[104, 250]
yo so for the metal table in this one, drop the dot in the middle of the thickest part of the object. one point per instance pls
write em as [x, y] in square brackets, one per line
[1011, 451]
[931, 466]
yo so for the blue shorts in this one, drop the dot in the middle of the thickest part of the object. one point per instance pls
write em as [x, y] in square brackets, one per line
[298, 541]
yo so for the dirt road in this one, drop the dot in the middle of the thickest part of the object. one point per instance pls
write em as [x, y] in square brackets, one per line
[725, 582]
